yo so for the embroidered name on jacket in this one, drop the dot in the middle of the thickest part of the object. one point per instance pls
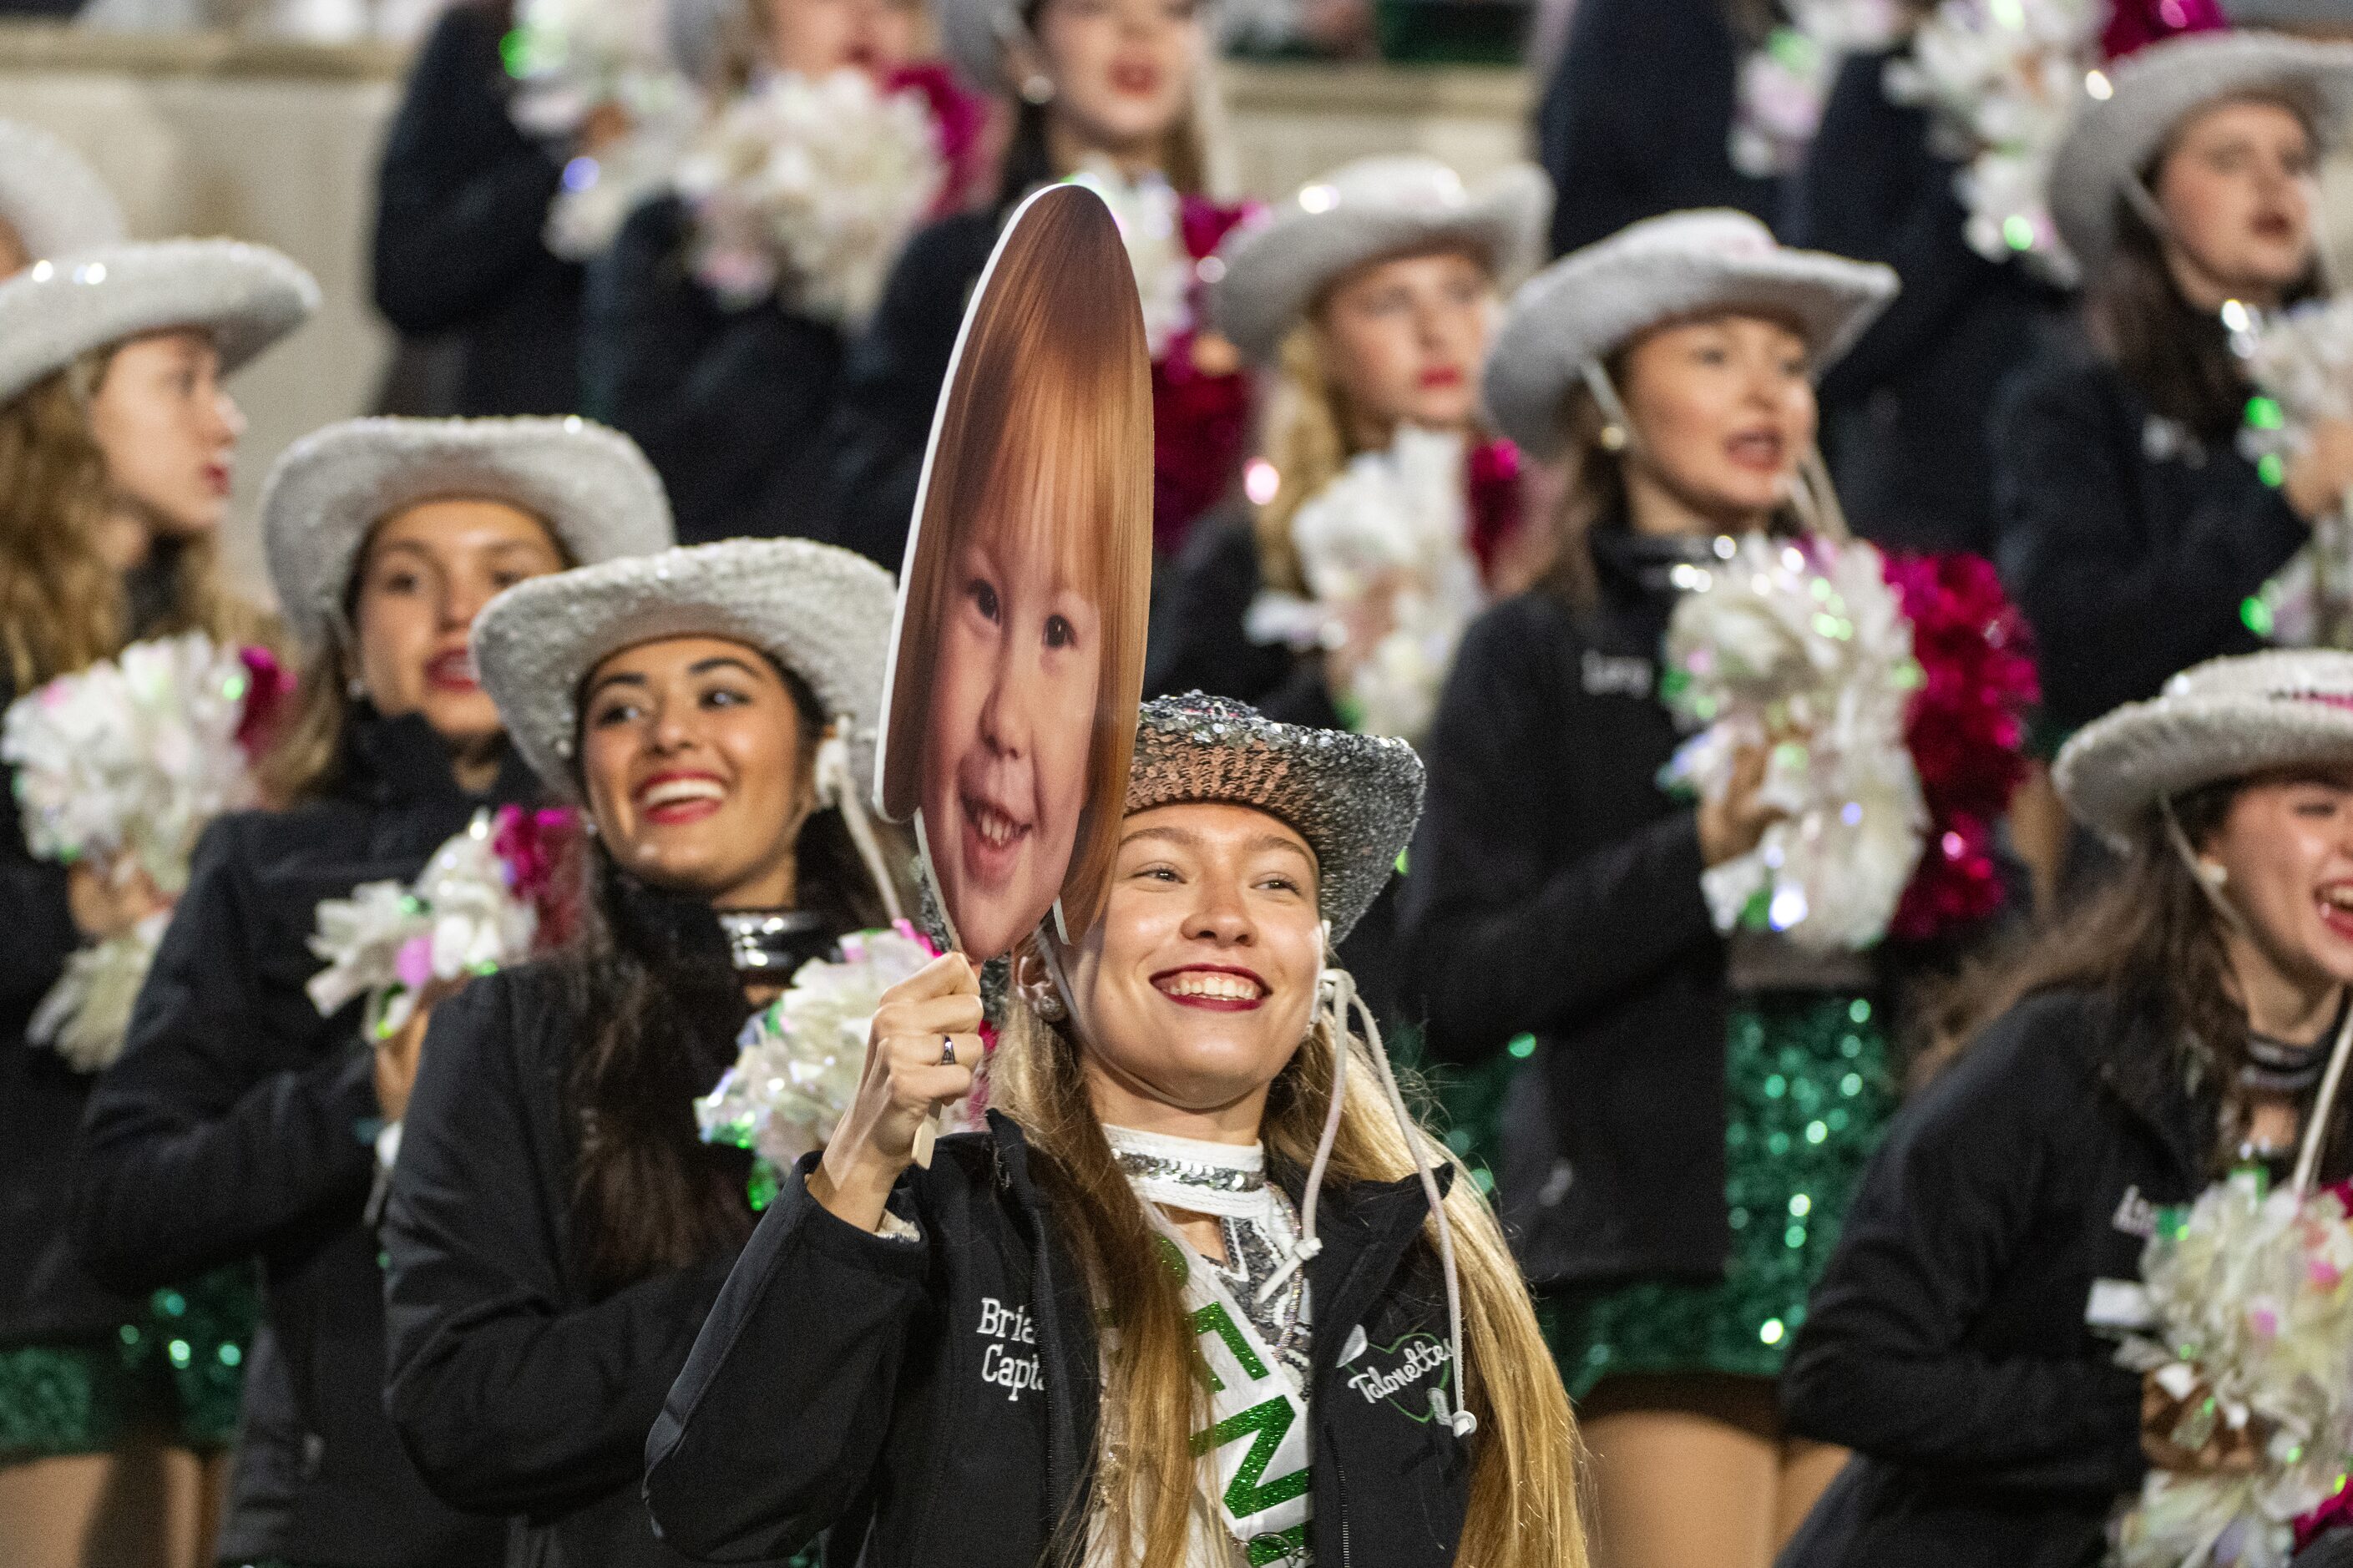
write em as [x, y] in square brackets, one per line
[1616, 675]
[1004, 1363]
[1411, 1360]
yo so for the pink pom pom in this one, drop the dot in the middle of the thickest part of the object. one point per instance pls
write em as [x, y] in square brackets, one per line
[414, 962]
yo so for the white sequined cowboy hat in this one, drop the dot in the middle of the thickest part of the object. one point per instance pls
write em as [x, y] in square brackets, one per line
[2148, 96]
[591, 487]
[821, 611]
[2225, 719]
[1355, 798]
[1591, 302]
[1272, 269]
[51, 197]
[61, 308]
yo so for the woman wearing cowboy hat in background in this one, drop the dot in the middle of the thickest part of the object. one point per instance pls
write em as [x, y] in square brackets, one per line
[2133, 532]
[239, 1121]
[913, 1353]
[2172, 1030]
[1678, 1156]
[556, 1230]
[116, 442]
[729, 396]
[1116, 92]
[1371, 294]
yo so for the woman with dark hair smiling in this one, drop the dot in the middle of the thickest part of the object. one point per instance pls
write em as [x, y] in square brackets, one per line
[557, 1231]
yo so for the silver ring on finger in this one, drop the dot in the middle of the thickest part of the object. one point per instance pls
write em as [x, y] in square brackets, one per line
[947, 1050]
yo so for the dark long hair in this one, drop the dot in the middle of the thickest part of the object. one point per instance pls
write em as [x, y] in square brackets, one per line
[2148, 941]
[2178, 356]
[651, 972]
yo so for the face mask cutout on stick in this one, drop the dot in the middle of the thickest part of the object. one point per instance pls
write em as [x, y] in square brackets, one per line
[1016, 660]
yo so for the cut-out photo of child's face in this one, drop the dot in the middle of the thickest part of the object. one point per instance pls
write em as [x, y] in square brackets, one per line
[1018, 663]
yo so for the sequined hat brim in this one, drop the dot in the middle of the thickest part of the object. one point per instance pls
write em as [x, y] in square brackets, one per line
[821, 611]
[2226, 718]
[1354, 798]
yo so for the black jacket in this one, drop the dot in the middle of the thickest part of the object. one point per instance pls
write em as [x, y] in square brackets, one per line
[519, 1385]
[2130, 543]
[1907, 411]
[1638, 119]
[728, 405]
[240, 1123]
[462, 199]
[1556, 890]
[890, 385]
[1945, 1344]
[1198, 643]
[854, 1378]
[45, 1294]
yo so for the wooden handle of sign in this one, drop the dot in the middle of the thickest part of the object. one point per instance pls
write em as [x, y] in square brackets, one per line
[925, 1136]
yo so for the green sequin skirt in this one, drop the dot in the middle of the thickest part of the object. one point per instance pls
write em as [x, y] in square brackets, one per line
[180, 1367]
[1809, 1090]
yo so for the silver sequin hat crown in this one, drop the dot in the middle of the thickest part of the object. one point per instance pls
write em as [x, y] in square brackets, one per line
[2225, 719]
[821, 611]
[1272, 269]
[1355, 798]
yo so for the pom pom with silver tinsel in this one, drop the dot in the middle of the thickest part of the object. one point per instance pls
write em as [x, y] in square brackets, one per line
[807, 189]
[2000, 82]
[1782, 85]
[2301, 362]
[798, 1060]
[120, 765]
[1802, 648]
[1387, 538]
[574, 59]
[2251, 1294]
[472, 910]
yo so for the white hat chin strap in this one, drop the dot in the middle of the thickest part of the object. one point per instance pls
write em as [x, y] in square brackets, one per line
[2210, 877]
[837, 790]
[1336, 998]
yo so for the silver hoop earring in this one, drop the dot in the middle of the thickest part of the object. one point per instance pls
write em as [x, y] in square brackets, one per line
[1036, 89]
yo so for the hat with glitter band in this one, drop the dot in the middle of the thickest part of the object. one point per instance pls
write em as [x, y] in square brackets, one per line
[1587, 305]
[2148, 96]
[1354, 798]
[1360, 212]
[821, 611]
[2225, 719]
[54, 200]
[62, 308]
[591, 487]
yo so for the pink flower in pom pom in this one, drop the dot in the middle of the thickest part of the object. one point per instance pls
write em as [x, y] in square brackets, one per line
[2136, 24]
[2325, 1274]
[538, 849]
[413, 964]
[268, 686]
[1493, 476]
[1201, 418]
[958, 118]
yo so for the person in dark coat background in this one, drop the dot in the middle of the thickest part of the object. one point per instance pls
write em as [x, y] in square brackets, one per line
[1104, 91]
[555, 1230]
[2134, 534]
[1962, 1340]
[729, 399]
[1637, 120]
[462, 199]
[240, 1122]
[1907, 414]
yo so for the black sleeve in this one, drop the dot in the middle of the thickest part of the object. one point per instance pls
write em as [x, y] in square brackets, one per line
[1635, 120]
[462, 194]
[1496, 940]
[41, 932]
[1882, 1365]
[720, 400]
[1872, 190]
[2115, 609]
[780, 1417]
[891, 387]
[196, 1149]
[505, 1402]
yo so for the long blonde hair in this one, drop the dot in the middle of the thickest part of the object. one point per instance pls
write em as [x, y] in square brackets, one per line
[1524, 1507]
[61, 601]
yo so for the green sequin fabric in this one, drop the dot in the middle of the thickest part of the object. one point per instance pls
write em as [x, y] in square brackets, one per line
[181, 1365]
[1808, 1089]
